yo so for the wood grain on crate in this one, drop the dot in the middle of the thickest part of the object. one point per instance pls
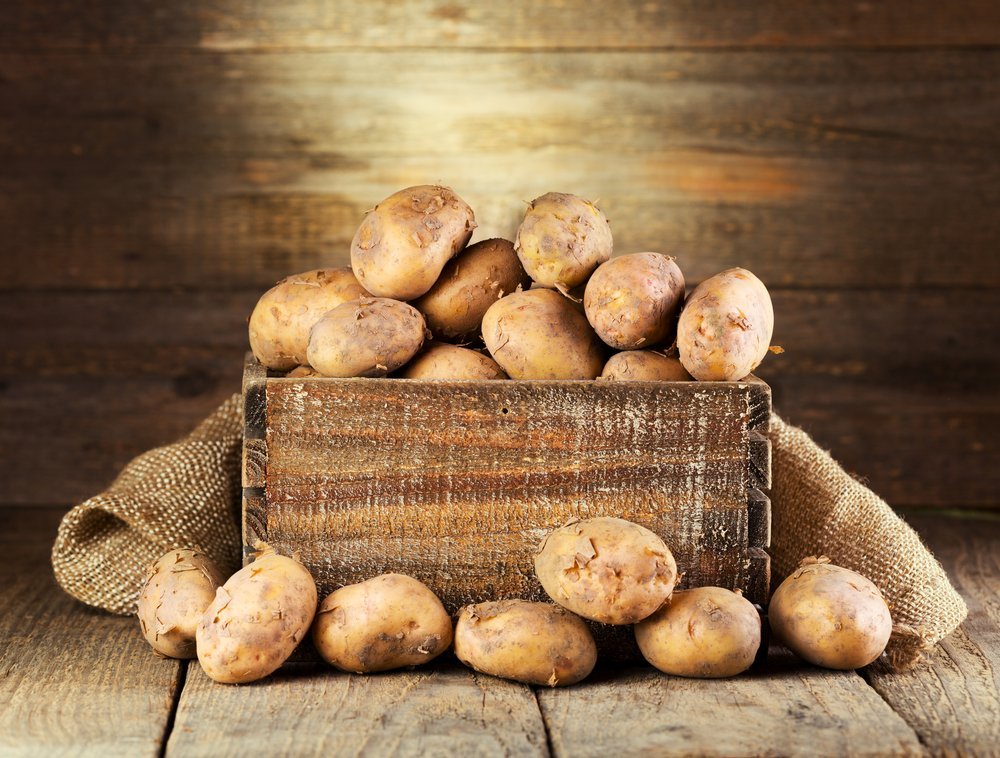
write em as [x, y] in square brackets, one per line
[456, 483]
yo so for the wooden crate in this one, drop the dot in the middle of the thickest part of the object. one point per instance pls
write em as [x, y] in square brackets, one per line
[455, 483]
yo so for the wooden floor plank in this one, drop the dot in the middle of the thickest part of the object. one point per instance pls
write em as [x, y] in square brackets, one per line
[73, 681]
[788, 709]
[953, 700]
[312, 709]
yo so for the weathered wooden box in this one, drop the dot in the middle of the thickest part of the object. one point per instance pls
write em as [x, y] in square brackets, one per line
[455, 483]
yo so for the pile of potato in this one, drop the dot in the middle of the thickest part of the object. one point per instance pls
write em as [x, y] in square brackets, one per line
[419, 302]
[602, 569]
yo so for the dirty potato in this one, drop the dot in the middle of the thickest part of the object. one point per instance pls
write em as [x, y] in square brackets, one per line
[633, 301]
[830, 616]
[562, 239]
[606, 569]
[440, 360]
[535, 643]
[257, 619]
[706, 632]
[367, 337]
[280, 323]
[178, 589]
[302, 372]
[384, 623]
[725, 327]
[469, 284]
[644, 366]
[539, 334]
[405, 240]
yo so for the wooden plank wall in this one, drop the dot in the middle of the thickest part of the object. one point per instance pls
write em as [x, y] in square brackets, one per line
[161, 163]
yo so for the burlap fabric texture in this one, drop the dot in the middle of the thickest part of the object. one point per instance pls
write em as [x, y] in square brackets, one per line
[187, 495]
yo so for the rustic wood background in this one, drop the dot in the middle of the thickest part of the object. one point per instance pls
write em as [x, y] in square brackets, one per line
[161, 163]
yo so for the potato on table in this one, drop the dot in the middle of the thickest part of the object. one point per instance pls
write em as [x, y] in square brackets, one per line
[725, 327]
[706, 632]
[535, 643]
[539, 334]
[367, 337]
[257, 619]
[633, 301]
[178, 589]
[384, 623]
[280, 323]
[405, 240]
[830, 616]
[562, 239]
[606, 569]
[440, 360]
[644, 366]
[469, 284]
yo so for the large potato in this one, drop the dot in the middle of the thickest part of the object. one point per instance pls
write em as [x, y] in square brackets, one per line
[384, 623]
[562, 239]
[404, 241]
[469, 284]
[443, 361]
[367, 337]
[705, 632]
[178, 589]
[280, 323]
[830, 616]
[535, 643]
[633, 301]
[606, 569]
[725, 327]
[538, 334]
[257, 619]
[644, 366]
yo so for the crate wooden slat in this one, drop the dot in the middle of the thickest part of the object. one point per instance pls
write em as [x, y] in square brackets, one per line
[455, 483]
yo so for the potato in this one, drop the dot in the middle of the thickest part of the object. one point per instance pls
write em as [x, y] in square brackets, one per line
[538, 334]
[606, 569]
[178, 589]
[367, 337]
[644, 366]
[404, 241]
[830, 616]
[633, 301]
[443, 361]
[302, 372]
[535, 643]
[725, 327]
[384, 623]
[257, 619]
[706, 632]
[562, 239]
[280, 323]
[469, 284]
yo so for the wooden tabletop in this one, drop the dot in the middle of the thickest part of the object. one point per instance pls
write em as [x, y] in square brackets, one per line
[75, 680]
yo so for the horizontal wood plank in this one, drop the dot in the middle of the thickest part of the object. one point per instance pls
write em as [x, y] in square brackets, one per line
[227, 25]
[210, 170]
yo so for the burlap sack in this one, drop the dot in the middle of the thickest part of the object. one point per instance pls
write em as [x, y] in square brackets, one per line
[187, 494]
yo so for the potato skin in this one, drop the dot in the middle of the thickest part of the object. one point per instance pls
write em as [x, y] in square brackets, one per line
[633, 301]
[280, 323]
[830, 616]
[302, 372]
[367, 337]
[562, 239]
[443, 361]
[706, 632]
[725, 327]
[644, 366]
[606, 569]
[178, 588]
[535, 643]
[469, 284]
[257, 619]
[384, 623]
[405, 240]
[539, 334]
